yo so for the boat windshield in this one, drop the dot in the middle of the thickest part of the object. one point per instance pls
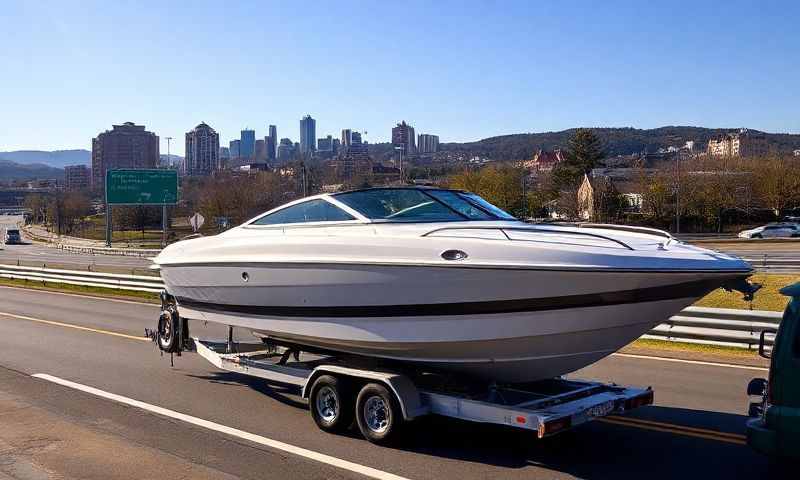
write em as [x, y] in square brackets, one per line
[416, 205]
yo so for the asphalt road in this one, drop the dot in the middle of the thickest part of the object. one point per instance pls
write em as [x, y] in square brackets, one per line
[704, 397]
[33, 254]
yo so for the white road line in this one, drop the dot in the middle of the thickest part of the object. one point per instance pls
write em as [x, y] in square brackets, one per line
[268, 442]
[691, 362]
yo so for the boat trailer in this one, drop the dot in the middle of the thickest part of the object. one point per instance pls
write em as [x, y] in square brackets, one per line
[383, 398]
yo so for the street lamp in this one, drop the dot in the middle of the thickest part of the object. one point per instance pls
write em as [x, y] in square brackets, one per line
[402, 148]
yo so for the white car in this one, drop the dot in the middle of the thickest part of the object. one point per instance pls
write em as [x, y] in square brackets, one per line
[775, 230]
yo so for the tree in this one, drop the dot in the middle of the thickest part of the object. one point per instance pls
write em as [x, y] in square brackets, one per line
[584, 151]
[499, 184]
[776, 182]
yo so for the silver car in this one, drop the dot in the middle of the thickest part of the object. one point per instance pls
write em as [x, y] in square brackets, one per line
[12, 237]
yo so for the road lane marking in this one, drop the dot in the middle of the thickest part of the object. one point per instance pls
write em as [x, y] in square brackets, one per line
[641, 421]
[268, 442]
[117, 300]
[691, 362]
[73, 326]
[675, 429]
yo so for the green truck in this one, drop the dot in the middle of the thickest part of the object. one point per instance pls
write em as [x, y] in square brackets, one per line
[774, 428]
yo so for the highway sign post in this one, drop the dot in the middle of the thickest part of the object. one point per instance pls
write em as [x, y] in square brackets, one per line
[141, 187]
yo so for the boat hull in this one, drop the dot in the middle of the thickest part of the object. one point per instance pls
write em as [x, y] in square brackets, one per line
[507, 325]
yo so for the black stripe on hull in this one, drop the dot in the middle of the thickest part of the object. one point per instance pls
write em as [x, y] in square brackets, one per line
[650, 294]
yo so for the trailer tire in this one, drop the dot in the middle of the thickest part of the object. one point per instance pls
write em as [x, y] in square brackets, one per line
[168, 331]
[378, 414]
[331, 403]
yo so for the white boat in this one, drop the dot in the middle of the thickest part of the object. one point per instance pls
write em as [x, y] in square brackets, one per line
[441, 278]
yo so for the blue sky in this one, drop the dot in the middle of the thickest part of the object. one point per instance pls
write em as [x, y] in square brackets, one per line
[462, 70]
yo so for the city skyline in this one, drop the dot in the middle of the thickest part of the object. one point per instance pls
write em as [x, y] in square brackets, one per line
[468, 82]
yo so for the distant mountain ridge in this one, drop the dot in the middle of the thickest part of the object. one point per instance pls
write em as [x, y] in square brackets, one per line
[617, 141]
[16, 171]
[59, 158]
[56, 159]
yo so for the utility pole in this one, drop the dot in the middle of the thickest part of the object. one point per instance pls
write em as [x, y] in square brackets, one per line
[678, 194]
[164, 206]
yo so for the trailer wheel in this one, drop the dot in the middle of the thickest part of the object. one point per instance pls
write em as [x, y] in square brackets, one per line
[331, 403]
[168, 331]
[378, 414]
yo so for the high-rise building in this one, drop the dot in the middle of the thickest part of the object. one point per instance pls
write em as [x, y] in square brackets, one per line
[355, 138]
[353, 158]
[325, 144]
[403, 137]
[76, 177]
[347, 137]
[235, 147]
[286, 150]
[224, 157]
[247, 148]
[124, 146]
[272, 143]
[202, 151]
[428, 143]
[261, 150]
[308, 134]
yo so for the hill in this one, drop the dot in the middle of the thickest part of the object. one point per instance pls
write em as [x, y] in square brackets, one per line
[617, 141]
[56, 159]
[15, 171]
[59, 158]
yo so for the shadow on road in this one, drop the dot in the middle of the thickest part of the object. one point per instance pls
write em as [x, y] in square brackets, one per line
[597, 450]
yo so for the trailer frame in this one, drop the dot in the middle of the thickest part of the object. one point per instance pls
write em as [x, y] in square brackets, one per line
[545, 407]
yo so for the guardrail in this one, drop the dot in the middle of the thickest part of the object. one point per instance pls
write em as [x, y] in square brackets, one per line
[139, 283]
[125, 252]
[720, 326]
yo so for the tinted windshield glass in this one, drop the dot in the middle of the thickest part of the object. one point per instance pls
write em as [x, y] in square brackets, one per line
[310, 211]
[456, 202]
[499, 213]
[13, 232]
[402, 205]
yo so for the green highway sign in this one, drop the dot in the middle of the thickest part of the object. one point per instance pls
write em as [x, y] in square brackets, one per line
[141, 187]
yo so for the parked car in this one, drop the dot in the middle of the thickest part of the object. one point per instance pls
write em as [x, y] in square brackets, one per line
[12, 236]
[774, 230]
[775, 427]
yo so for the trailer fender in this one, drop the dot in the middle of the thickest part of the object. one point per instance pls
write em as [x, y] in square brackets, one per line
[403, 388]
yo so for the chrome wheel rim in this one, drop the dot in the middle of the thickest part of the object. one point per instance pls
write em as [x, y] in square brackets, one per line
[327, 404]
[165, 330]
[376, 414]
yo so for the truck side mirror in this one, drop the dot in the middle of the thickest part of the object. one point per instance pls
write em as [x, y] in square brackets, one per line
[762, 340]
[757, 387]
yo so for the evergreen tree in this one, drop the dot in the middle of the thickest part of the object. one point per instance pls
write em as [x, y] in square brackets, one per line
[584, 151]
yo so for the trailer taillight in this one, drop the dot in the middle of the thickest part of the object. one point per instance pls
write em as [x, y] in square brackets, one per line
[645, 398]
[553, 426]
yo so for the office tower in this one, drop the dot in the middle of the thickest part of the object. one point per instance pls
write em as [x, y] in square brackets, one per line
[325, 144]
[308, 134]
[235, 147]
[347, 137]
[286, 150]
[202, 151]
[247, 148]
[428, 143]
[272, 143]
[403, 137]
[261, 150]
[124, 146]
[77, 177]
